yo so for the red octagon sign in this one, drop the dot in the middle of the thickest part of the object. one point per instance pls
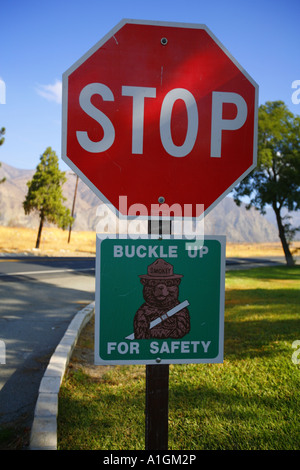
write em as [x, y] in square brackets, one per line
[159, 112]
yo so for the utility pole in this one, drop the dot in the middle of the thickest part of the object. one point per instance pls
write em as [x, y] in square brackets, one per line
[73, 207]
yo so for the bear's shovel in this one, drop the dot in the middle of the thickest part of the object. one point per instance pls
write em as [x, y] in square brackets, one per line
[166, 315]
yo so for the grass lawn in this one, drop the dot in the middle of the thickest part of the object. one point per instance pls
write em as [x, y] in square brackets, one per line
[250, 402]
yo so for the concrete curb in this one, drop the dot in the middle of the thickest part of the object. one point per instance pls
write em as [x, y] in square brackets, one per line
[44, 428]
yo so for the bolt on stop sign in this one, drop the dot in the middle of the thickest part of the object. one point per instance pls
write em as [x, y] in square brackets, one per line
[159, 112]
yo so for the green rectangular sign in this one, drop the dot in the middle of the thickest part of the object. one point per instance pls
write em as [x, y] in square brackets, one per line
[158, 302]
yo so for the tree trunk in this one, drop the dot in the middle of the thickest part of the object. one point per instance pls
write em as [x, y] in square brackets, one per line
[37, 245]
[288, 255]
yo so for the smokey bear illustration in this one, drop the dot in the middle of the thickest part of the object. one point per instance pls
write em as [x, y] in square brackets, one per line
[161, 291]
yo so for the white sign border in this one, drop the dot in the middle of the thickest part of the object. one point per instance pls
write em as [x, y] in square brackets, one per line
[216, 360]
[102, 41]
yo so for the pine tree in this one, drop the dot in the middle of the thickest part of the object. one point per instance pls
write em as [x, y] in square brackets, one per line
[45, 193]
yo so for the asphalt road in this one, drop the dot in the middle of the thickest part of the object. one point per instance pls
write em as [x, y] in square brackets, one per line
[39, 297]
[247, 263]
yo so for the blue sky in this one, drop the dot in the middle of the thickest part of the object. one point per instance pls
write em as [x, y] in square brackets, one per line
[41, 39]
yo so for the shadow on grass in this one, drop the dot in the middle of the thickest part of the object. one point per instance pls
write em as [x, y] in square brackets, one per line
[259, 318]
[274, 272]
[225, 419]
[99, 418]
[259, 338]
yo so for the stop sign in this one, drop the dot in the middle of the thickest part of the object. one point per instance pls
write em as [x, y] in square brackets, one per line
[159, 113]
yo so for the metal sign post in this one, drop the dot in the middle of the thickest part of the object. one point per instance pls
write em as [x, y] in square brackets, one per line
[158, 303]
[118, 138]
[157, 385]
[157, 407]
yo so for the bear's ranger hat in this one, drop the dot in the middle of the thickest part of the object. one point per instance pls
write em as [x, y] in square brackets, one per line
[160, 269]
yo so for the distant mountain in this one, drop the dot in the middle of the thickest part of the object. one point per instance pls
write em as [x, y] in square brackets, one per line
[238, 224]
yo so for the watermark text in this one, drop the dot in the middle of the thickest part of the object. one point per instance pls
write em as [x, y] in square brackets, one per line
[296, 93]
[2, 352]
[135, 225]
[2, 91]
[296, 354]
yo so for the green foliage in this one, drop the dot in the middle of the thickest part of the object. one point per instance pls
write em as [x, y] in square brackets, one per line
[276, 179]
[45, 192]
[2, 132]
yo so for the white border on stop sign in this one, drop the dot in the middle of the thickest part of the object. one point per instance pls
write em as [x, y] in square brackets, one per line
[102, 41]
